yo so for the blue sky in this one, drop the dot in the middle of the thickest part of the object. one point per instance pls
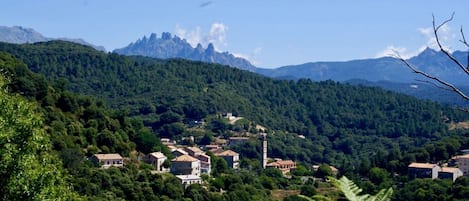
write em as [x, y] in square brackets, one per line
[269, 33]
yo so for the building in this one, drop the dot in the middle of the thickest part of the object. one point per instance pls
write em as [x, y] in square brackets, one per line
[156, 159]
[187, 180]
[237, 140]
[231, 158]
[283, 165]
[229, 116]
[193, 151]
[167, 141]
[264, 150]
[334, 170]
[462, 162]
[185, 165]
[423, 170]
[212, 147]
[449, 173]
[205, 164]
[178, 152]
[108, 160]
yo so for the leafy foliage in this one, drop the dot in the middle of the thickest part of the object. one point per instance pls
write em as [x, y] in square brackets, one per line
[28, 170]
[344, 124]
[356, 129]
[352, 191]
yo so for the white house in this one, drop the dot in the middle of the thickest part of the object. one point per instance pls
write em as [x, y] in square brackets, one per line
[205, 164]
[231, 158]
[108, 160]
[449, 173]
[423, 170]
[156, 159]
[187, 180]
[185, 165]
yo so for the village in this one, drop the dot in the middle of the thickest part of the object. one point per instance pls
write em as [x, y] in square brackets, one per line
[189, 163]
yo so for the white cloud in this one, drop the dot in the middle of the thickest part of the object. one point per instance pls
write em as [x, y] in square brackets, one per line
[444, 34]
[193, 37]
[216, 35]
[392, 50]
[252, 57]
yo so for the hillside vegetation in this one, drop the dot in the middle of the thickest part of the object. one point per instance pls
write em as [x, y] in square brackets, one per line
[353, 128]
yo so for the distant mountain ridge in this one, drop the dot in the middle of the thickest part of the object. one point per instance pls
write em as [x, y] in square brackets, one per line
[379, 69]
[20, 35]
[169, 46]
[388, 73]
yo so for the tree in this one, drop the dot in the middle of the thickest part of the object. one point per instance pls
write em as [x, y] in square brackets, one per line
[28, 169]
[435, 80]
[323, 171]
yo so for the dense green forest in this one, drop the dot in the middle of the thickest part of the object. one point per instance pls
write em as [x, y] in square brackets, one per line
[353, 128]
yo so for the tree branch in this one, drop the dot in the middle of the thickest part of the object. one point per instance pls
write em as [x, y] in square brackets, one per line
[463, 38]
[434, 84]
[447, 84]
[443, 84]
[446, 52]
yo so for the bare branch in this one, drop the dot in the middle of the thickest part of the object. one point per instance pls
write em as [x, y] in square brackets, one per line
[443, 23]
[463, 38]
[446, 52]
[447, 84]
[434, 84]
[467, 45]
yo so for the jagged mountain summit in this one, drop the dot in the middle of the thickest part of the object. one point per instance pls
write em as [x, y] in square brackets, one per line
[20, 35]
[169, 46]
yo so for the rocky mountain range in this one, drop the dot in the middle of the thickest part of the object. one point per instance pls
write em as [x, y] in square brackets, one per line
[169, 46]
[19, 35]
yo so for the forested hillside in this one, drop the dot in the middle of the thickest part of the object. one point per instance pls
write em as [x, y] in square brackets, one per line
[342, 123]
[367, 133]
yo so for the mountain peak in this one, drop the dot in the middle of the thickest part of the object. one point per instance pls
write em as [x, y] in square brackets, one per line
[169, 46]
[166, 36]
[210, 49]
[153, 37]
[428, 52]
[19, 35]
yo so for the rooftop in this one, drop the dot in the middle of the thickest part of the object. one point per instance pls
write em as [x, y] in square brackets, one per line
[282, 163]
[422, 165]
[158, 155]
[194, 149]
[188, 177]
[239, 138]
[226, 153]
[185, 158]
[108, 156]
[450, 169]
[461, 156]
[182, 152]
